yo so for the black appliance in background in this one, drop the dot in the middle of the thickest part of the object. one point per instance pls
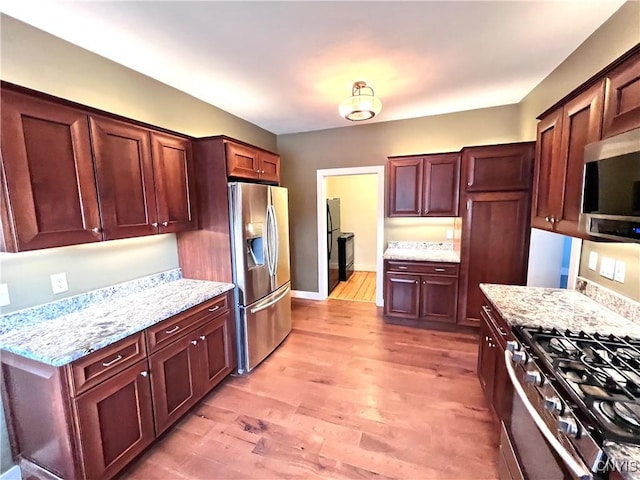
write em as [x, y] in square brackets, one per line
[345, 255]
[333, 232]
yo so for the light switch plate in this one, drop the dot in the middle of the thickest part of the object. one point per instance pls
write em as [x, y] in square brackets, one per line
[607, 267]
[59, 282]
[4, 295]
[620, 270]
[593, 260]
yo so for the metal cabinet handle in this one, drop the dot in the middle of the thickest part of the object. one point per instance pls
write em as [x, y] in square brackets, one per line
[154, 224]
[108, 364]
[173, 330]
[400, 267]
[194, 342]
[547, 219]
[164, 224]
[95, 229]
[439, 269]
[202, 337]
[144, 374]
[213, 309]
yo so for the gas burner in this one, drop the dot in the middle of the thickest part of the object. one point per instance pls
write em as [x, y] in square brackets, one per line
[623, 414]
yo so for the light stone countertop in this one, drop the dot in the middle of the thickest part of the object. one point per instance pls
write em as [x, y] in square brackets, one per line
[66, 333]
[568, 309]
[421, 251]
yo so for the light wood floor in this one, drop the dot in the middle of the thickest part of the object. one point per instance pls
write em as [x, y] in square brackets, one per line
[361, 286]
[345, 396]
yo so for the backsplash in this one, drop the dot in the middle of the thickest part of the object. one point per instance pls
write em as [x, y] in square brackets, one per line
[620, 304]
[443, 246]
[47, 311]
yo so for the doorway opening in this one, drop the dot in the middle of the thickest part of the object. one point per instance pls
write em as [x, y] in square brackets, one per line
[367, 239]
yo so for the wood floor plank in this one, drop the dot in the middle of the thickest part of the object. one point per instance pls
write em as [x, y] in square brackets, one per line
[361, 286]
[345, 396]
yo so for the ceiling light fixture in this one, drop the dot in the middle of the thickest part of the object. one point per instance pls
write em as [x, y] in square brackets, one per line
[360, 105]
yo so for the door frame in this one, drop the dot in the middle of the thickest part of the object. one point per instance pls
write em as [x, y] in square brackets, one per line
[322, 224]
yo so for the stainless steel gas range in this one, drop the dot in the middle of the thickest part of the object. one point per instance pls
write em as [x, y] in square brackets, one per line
[572, 393]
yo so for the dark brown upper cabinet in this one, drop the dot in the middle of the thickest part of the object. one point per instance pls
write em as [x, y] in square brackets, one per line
[124, 173]
[48, 187]
[562, 136]
[423, 185]
[491, 169]
[71, 175]
[622, 98]
[246, 162]
[173, 169]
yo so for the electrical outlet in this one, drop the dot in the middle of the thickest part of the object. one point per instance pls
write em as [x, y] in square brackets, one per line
[593, 260]
[607, 267]
[4, 295]
[59, 282]
[449, 234]
[620, 270]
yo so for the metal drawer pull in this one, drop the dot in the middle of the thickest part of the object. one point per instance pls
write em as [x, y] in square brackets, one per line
[402, 268]
[213, 309]
[202, 337]
[144, 374]
[439, 269]
[194, 342]
[108, 364]
[173, 330]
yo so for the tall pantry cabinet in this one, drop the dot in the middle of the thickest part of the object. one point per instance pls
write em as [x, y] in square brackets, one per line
[495, 202]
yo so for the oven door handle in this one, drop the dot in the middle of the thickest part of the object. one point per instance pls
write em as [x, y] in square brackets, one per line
[574, 465]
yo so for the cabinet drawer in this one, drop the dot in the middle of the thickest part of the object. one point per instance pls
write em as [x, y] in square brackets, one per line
[430, 268]
[175, 327]
[106, 362]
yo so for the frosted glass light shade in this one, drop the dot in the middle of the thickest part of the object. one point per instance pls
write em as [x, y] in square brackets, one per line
[360, 107]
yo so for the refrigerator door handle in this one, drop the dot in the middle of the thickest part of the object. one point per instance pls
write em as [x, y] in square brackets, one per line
[264, 306]
[276, 238]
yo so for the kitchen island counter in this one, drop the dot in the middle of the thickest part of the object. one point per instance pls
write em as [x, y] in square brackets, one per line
[60, 332]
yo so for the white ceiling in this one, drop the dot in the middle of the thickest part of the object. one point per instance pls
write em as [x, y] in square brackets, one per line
[285, 66]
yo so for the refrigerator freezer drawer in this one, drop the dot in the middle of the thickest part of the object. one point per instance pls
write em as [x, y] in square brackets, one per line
[266, 323]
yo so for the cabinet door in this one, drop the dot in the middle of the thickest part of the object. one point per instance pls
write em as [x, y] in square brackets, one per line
[124, 172]
[441, 185]
[498, 167]
[495, 247]
[115, 421]
[269, 167]
[550, 167]
[404, 187]
[50, 198]
[486, 361]
[216, 347]
[502, 392]
[175, 381]
[581, 124]
[622, 98]
[242, 161]
[439, 298]
[175, 183]
[402, 295]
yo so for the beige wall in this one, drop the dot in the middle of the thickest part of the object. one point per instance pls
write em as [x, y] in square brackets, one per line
[629, 253]
[366, 145]
[358, 196]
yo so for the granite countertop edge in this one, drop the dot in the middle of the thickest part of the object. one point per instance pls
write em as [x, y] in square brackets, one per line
[421, 255]
[188, 293]
[621, 457]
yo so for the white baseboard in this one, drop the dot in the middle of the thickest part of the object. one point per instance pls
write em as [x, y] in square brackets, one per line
[304, 295]
[12, 474]
[358, 267]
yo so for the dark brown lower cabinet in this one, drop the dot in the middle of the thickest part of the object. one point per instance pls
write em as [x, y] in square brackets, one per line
[492, 371]
[188, 368]
[420, 292]
[115, 421]
[90, 418]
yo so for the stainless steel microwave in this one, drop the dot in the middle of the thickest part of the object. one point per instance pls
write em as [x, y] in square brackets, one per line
[611, 191]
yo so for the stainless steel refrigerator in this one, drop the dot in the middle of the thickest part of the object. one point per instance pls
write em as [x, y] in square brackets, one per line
[260, 249]
[333, 232]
